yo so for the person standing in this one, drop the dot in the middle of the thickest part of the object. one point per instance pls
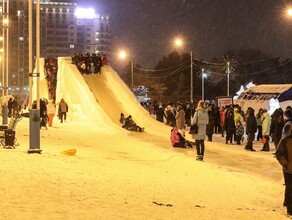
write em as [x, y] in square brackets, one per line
[266, 118]
[239, 131]
[277, 125]
[229, 126]
[251, 128]
[210, 125]
[180, 118]
[259, 124]
[10, 107]
[159, 112]
[63, 109]
[51, 110]
[200, 118]
[284, 157]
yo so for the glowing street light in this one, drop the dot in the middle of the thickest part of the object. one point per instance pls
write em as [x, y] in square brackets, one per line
[179, 43]
[289, 11]
[123, 55]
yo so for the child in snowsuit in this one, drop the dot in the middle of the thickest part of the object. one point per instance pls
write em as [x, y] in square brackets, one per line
[239, 131]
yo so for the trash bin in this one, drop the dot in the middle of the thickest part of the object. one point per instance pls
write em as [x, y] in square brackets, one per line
[9, 136]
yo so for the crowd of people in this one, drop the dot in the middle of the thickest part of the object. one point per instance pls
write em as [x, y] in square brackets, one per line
[229, 121]
[51, 68]
[89, 63]
[48, 110]
[232, 123]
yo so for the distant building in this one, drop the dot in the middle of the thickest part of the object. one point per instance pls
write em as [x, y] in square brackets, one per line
[65, 30]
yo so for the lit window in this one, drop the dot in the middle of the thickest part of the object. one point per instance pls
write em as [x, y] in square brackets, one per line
[21, 38]
[72, 46]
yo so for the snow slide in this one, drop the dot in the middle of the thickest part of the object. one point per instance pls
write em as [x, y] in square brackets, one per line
[115, 97]
[81, 101]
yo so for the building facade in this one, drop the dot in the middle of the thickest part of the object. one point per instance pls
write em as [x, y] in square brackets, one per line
[65, 30]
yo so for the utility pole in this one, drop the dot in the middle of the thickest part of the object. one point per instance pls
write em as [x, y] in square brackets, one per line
[228, 72]
[132, 74]
[191, 85]
[203, 98]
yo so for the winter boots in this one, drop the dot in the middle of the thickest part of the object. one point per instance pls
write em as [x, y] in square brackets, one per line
[200, 157]
[249, 147]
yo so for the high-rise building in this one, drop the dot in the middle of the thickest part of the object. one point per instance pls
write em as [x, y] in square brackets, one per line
[65, 30]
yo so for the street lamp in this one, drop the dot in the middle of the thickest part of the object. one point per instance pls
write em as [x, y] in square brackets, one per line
[204, 76]
[179, 43]
[289, 12]
[123, 55]
[5, 43]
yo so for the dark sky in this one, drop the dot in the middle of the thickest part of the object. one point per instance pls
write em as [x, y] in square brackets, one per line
[146, 28]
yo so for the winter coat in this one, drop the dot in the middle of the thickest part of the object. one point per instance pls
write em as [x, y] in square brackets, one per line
[174, 137]
[210, 125]
[276, 127]
[259, 120]
[287, 128]
[239, 130]
[237, 116]
[51, 108]
[284, 154]
[180, 119]
[63, 107]
[200, 118]
[266, 124]
[251, 122]
[229, 122]
[160, 114]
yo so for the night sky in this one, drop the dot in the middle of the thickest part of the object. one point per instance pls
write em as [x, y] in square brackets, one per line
[147, 28]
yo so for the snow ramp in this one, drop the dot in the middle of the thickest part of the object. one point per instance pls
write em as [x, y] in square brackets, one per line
[115, 97]
[83, 105]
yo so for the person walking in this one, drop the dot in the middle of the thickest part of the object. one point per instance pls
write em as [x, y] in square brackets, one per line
[200, 118]
[266, 118]
[251, 128]
[51, 111]
[284, 157]
[63, 109]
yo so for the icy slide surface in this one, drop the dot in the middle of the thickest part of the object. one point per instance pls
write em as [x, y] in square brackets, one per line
[100, 98]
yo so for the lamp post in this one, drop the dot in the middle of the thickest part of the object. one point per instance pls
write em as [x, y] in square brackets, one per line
[34, 114]
[204, 75]
[5, 42]
[179, 43]
[123, 55]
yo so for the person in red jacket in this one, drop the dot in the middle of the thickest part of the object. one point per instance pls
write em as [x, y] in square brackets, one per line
[177, 140]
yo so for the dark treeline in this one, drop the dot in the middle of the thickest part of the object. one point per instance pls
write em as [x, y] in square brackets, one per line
[246, 65]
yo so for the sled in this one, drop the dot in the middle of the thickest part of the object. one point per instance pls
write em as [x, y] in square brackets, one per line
[69, 152]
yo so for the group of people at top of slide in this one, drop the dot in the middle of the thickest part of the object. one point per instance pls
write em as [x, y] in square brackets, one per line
[89, 63]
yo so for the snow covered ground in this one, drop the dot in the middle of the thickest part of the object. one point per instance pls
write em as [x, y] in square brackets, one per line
[117, 174]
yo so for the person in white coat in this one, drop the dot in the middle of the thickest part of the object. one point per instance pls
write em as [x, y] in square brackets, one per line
[51, 111]
[200, 118]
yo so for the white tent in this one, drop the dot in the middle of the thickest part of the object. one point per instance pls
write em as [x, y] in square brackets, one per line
[269, 96]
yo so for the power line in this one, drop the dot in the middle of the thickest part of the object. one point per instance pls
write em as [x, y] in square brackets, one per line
[157, 77]
[160, 70]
